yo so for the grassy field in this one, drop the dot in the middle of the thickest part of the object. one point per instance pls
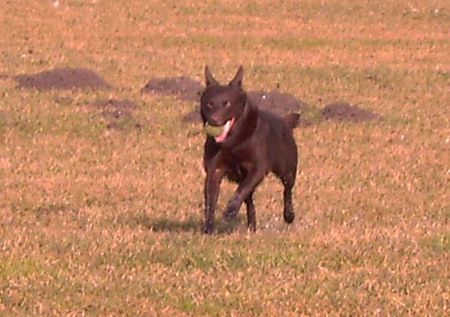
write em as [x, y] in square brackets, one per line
[97, 221]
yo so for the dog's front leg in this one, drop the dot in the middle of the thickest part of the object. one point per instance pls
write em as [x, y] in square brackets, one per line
[245, 188]
[212, 186]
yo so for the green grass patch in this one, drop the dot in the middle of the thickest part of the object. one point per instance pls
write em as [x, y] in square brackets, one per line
[11, 268]
[438, 243]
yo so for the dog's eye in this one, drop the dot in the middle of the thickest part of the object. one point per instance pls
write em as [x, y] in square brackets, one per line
[226, 103]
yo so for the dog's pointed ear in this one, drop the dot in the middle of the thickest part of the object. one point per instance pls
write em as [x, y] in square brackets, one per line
[237, 80]
[209, 78]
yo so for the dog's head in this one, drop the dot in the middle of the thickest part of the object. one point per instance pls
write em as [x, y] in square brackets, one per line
[222, 105]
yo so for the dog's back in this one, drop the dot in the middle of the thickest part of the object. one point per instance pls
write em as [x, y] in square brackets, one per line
[277, 135]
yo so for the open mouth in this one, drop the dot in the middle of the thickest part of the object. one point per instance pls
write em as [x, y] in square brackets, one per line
[220, 133]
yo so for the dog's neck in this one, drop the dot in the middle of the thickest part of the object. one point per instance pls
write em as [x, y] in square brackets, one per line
[245, 124]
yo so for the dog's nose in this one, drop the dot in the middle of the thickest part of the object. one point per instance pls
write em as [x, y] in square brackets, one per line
[215, 117]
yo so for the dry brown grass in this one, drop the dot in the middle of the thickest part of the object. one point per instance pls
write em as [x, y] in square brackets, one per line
[97, 221]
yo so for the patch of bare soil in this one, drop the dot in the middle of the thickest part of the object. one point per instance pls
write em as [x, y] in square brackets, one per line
[63, 79]
[189, 89]
[184, 88]
[192, 117]
[275, 101]
[342, 111]
[125, 104]
[280, 103]
[118, 113]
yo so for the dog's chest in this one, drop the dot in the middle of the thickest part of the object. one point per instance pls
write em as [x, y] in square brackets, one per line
[237, 165]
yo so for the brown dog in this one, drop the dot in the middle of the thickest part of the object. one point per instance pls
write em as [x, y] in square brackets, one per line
[249, 144]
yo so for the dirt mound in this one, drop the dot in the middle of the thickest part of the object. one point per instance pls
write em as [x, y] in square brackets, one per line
[192, 117]
[343, 111]
[188, 89]
[184, 88]
[125, 104]
[118, 113]
[275, 101]
[62, 78]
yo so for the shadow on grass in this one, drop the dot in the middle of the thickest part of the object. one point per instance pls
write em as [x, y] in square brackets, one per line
[173, 225]
[193, 224]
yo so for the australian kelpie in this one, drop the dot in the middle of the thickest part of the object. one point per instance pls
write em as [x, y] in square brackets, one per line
[249, 143]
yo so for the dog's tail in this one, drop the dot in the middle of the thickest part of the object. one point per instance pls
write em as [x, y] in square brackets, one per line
[292, 120]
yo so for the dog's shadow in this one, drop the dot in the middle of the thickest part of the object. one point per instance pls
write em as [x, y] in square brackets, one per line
[191, 225]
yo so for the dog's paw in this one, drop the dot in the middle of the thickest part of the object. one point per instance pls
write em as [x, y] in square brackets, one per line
[232, 209]
[230, 214]
[208, 228]
[289, 216]
[251, 227]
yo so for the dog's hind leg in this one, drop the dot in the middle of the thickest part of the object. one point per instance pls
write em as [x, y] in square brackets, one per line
[288, 212]
[251, 213]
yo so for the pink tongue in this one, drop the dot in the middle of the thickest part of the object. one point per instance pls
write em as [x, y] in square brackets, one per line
[225, 131]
